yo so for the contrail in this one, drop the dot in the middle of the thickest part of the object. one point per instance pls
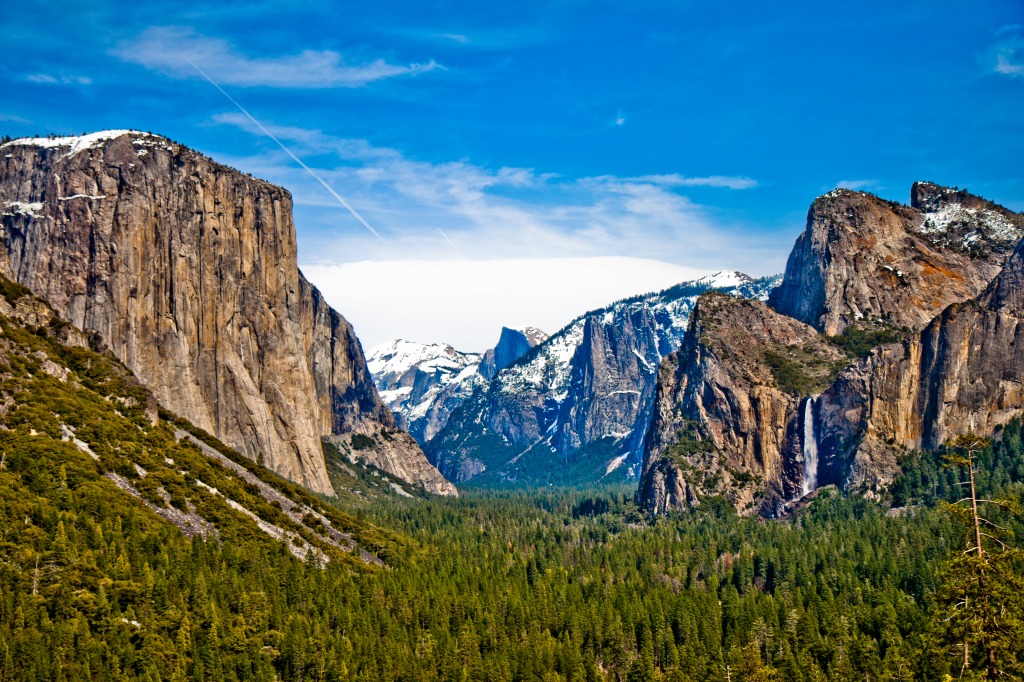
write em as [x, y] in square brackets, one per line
[450, 242]
[341, 199]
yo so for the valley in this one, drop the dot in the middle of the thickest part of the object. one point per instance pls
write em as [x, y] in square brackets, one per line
[203, 475]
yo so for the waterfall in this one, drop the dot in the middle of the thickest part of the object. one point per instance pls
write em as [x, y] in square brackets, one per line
[810, 447]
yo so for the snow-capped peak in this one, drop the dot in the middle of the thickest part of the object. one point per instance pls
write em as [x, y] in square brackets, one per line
[534, 336]
[397, 357]
[724, 279]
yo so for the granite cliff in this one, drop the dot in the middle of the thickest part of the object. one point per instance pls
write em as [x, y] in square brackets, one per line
[186, 270]
[963, 372]
[727, 413]
[891, 330]
[864, 258]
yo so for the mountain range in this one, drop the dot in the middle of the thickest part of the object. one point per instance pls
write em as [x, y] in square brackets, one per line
[893, 329]
[575, 407]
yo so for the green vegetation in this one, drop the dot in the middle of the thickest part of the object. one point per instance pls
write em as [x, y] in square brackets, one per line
[981, 593]
[550, 585]
[801, 371]
[12, 291]
[362, 442]
[861, 338]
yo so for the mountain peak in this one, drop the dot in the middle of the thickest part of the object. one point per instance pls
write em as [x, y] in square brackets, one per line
[725, 279]
[80, 143]
[512, 345]
[864, 258]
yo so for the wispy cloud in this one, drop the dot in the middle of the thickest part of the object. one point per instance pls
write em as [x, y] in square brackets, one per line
[454, 37]
[676, 180]
[173, 49]
[857, 184]
[60, 79]
[508, 212]
[1006, 56]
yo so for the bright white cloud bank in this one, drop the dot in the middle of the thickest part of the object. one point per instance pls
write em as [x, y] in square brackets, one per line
[466, 302]
[466, 249]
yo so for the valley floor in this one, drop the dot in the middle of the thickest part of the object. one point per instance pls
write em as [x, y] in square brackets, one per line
[558, 584]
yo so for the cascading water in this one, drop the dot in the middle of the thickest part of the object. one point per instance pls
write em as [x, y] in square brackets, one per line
[810, 447]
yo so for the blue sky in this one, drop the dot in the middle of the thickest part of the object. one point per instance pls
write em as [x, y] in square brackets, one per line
[582, 150]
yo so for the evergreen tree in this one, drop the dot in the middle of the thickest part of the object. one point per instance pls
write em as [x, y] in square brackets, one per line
[981, 593]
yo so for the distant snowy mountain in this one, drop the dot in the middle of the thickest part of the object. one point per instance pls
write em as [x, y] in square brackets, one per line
[576, 407]
[423, 383]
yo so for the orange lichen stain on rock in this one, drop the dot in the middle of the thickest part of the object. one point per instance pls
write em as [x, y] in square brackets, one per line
[939, 273]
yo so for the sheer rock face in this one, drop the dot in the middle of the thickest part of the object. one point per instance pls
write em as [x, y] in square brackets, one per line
[861, 257]
[963, 372]
[187, 271]
[512, 345]
[934, 269]
[726, 419]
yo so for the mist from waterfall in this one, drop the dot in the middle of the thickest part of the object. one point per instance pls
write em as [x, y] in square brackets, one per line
[810, 447]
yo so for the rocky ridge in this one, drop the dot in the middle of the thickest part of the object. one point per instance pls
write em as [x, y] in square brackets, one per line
[187, 270]
[751, 410]
[864, 258]
[423, 383]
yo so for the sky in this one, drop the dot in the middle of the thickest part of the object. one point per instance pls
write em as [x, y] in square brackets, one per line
[460, 166]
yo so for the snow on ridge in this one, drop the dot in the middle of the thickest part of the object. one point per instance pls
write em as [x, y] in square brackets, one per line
[77, 143]
[941, 220]
[395, 358]
[82, 196]
[725, 278]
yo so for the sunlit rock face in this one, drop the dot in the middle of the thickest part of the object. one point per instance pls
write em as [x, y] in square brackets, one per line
[186, 269]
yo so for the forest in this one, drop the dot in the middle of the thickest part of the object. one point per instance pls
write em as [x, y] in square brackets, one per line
[549, 584]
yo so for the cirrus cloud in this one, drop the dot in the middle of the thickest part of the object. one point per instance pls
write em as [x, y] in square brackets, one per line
[172, 50]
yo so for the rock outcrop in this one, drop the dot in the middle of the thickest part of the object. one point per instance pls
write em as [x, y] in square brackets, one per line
[863, 258]
[187, 270]
[762, 412]
[963, 372]
[728, 418]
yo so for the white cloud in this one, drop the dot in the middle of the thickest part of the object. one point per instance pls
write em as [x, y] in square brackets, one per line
[48, 79]
[455, 37]
[466, 302]
[173, 49]
[506, 212]
[1007, 54]
[676, 180]
[468, 249]
[857, 184]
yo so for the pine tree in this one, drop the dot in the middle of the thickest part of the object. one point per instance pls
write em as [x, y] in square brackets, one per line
[981, 594]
